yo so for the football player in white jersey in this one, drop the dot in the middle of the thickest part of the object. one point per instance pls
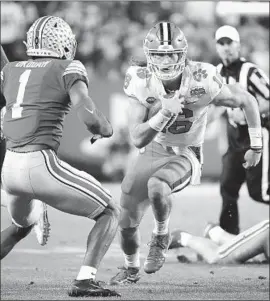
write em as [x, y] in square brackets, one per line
[169, 99]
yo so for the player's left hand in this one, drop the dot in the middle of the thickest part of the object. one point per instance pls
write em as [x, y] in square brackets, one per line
[252, 158]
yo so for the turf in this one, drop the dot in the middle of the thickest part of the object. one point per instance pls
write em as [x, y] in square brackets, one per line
[32, 272]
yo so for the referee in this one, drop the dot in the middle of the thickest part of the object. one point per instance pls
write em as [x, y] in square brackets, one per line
[237, 69]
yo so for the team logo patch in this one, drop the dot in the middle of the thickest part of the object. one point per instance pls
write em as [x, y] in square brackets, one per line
[200, 74]
[143, 73]
[197, 91]
[150, 100]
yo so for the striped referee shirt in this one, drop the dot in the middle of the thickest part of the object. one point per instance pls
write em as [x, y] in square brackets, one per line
[256, 82]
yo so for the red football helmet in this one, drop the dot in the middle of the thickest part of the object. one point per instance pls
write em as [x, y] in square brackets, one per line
[165, 38]
[51, 36]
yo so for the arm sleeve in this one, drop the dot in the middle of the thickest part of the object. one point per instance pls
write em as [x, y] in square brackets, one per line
[258, 81]
[73, 72]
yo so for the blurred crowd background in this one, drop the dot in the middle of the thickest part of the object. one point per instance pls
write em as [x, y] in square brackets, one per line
[109, 33]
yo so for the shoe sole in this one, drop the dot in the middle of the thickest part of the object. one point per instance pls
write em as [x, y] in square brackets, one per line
[151, 271]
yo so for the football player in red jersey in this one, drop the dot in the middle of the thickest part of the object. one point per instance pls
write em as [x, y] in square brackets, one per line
[39, 93]
[42, 225]
[170, 141]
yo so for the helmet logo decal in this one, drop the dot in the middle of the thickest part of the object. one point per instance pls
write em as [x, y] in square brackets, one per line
[38, 31]
[41, 29]
[165, 33]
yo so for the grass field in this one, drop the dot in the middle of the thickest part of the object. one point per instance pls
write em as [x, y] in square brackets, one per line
[32, 272]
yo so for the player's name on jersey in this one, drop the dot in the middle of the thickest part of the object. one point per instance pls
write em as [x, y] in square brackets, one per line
[27, 64]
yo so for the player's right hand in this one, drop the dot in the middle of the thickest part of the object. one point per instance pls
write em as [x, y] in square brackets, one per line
[252, 158]
[172, 102]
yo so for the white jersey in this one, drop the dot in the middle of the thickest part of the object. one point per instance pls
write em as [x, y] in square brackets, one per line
[200, 84]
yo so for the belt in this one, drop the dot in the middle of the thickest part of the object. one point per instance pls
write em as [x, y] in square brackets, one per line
[29, 148]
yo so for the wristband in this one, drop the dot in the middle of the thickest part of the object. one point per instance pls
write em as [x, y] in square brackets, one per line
[158, 121]
[255, 135]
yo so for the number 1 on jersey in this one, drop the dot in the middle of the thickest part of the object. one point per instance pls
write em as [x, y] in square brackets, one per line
[16, 108]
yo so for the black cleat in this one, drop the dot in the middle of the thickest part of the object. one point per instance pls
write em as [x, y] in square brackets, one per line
[90, 288]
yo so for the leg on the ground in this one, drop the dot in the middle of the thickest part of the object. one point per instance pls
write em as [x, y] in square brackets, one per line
[204, 247]
[101, 236]
[98, 242]
[159, 195]
[76, 192]
[219, 235]
[129, 235]
[246, 245]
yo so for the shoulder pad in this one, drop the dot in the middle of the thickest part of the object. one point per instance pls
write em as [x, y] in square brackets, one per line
[74, 70]
[139, 72]
[136, 78]
[201, 71]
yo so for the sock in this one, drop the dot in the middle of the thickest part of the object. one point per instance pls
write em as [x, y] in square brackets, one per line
[161, 227]
[184, 239]
[133, 260]
[86, 272]
[216, 233]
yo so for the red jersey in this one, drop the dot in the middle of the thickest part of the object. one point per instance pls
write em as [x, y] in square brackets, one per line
[37, 100]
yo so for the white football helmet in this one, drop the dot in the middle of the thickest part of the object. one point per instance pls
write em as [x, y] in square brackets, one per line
[165, 38]
[51, 36]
